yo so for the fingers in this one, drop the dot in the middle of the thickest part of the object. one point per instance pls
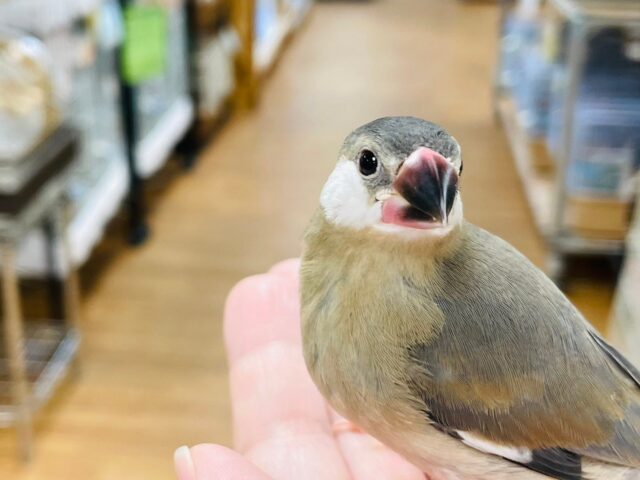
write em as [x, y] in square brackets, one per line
[288, 268]
[367, 458]
[263, 309]
[280, 419]
[183, 463]
[269, 381]
[214, 462]
[273, 395]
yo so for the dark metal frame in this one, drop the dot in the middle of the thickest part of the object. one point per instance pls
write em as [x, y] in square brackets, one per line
[193, 141]
[138, 228]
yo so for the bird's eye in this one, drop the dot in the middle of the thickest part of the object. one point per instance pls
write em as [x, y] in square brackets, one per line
[368, 163]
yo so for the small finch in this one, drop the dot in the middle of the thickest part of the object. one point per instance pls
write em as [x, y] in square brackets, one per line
[442, 340]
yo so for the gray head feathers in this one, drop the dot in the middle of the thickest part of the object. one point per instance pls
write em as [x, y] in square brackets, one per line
[399, 136]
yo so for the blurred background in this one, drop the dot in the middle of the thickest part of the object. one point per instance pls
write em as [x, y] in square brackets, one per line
[155, 152]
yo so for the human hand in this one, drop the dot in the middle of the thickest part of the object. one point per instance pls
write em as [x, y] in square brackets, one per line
[282, 425]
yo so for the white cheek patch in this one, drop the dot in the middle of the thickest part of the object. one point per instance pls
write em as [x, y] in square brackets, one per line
[345, 199]
[455, 215]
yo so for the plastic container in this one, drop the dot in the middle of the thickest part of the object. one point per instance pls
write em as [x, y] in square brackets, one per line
[605, 148]
[521, 33]
[266, 17]
[605, 151]
[533, 92]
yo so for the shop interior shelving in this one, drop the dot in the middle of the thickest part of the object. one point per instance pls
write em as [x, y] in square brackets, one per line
[266, 50]
[543, 174]
[600, 12]
[28, 14]
[36, 354]
[100, 181]
[257, 56]
[209, 21]
[157, 114]
[153, 150]
[50, 350]
[540, 184]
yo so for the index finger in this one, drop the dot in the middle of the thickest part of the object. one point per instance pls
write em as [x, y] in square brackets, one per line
[281, 421]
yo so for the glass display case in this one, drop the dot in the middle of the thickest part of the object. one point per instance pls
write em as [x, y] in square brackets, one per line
[86, 85]
[157, 95]
[99, 183]
[157, 107]
[213, 44]
[162, 106]
[94, 110]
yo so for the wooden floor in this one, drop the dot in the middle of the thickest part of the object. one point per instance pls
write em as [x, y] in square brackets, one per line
[154, 374]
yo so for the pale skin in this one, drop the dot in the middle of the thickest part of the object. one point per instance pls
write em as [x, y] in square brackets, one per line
[283, 428]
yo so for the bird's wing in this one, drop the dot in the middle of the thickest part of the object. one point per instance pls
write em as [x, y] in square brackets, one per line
[516, 371]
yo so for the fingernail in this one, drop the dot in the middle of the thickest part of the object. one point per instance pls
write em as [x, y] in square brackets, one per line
[184, 464]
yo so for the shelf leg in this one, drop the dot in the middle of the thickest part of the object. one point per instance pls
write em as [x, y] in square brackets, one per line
[71, 284]
[577, 55]
[54, 286]
[188, 149]
[138, 228]
[16, 351]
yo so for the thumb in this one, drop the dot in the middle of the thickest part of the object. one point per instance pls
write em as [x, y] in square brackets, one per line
[214, 462]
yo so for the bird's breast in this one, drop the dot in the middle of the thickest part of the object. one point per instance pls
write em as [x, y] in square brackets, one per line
[357, 321]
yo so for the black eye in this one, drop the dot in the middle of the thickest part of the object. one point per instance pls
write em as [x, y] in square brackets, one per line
[368, 163]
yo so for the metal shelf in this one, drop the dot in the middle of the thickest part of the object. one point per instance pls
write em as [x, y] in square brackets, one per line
[86, 225]
[562, 217]
[28, 14]
[152, 132]
[50, 350]
[98, 181]
[265, 52]
[540, 186]
[34, 356]
[153, 150]
[612, 12]
[537, 184]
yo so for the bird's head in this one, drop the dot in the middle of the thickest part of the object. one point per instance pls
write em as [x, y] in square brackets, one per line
[397, 175]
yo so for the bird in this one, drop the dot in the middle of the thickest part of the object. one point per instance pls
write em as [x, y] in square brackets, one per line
[442, 340]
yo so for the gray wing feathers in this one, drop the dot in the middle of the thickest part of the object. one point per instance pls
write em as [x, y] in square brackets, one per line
[624, 446]
[517, 363]
[625, 365]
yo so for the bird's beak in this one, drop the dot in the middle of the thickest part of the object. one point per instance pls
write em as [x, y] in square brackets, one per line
[428, 182]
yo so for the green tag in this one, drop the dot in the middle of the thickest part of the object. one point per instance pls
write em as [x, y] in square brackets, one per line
[144, 53]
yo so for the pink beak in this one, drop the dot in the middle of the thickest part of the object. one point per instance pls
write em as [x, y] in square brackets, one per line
[428, 182]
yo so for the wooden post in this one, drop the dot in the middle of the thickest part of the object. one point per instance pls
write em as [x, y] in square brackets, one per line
[243, 17]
